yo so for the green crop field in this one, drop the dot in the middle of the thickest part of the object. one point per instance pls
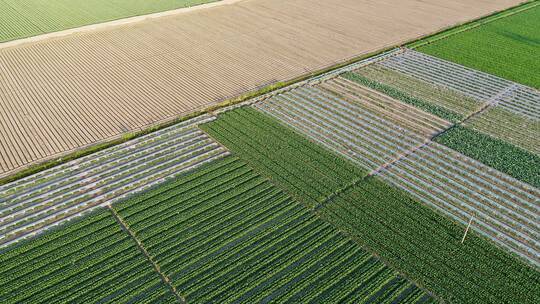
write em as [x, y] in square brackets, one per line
[426, 246]
[308, 171]
[410, 236]
[225, 234]
[507, 47]
[25, 18]
[496, 153]
[89, 261]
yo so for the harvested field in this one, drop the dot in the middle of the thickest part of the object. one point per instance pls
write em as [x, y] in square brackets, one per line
[367, 127]
[225, 234]
[41, 201]
[62, 94]
[504, 209]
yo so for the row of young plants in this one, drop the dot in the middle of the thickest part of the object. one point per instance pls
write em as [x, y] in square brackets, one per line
[516, 162]
[277, 151]
[223, 233]
[424, 105]
[88, 260]
[423, 91]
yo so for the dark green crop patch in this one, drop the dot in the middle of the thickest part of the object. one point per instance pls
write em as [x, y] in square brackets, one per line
[496, 153]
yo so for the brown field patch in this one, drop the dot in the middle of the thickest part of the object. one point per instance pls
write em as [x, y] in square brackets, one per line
[61, 94]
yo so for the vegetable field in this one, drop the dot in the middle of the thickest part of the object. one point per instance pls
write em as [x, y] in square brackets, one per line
[88, 261]
[410, 236]
[24, 18]
[225, 234]
[367, 127]
[484, 87]
[33, 204]
[508, 126]
[308, 171]
[507, 47]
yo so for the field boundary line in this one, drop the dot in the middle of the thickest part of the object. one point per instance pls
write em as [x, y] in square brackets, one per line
[114, 23]
[164, 278]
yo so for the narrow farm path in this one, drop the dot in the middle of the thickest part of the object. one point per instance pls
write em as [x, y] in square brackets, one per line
[163, 276]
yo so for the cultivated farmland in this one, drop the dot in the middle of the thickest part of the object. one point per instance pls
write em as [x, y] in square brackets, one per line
[59, 95]
[89, 261]
[410, 236]
[369, 128]
[504, 209]
[431, 98]
[30, 205]
[507, 47]
[508, 126]
[225, 234]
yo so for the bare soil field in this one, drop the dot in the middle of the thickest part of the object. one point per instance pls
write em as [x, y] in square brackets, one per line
[60, 94]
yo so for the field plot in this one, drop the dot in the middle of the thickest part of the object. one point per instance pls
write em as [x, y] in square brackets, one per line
[61, 94]
[507, 47]
[38, 202]
[426, 246]
[367, 127]
[225, 234]
[496, 153]
[89, 261]
[516, 98]
[307, 171]
[513, 128]
[24, 18]
[504, 209]
[434, 95]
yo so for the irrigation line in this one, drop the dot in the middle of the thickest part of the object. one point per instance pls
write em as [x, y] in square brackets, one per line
[164, 278]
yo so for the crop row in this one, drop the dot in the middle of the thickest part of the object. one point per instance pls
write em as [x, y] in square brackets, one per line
[503, 208]
[117, 176]
[426, 246]
[223, 233]
[91, 162]
[306, 170]
[354, 125]
[91, 259]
